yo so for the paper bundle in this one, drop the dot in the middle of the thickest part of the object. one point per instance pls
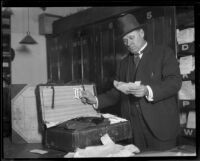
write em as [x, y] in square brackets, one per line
[124, 87]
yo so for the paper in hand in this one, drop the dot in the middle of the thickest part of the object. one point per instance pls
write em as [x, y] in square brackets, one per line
[125, 87]
[121, 86]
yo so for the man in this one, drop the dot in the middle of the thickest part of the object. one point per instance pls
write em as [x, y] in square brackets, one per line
[151, 106]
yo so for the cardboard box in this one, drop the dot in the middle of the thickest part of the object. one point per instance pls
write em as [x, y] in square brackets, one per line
[46, 23]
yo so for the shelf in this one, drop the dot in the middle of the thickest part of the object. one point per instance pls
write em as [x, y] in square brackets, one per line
[6, 21]
[5, 31]
[185, 20]
[6, 54]
[6, 64]
[188, 132]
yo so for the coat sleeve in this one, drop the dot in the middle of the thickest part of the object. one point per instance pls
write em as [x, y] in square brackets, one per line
[171, 81]
[109, 98]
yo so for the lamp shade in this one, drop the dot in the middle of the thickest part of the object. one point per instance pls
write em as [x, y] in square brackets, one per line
[28, 39]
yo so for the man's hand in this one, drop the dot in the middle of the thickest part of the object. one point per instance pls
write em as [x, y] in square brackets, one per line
[88, 97]
[138, 91]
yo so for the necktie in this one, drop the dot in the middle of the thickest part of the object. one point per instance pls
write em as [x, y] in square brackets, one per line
[136, 59]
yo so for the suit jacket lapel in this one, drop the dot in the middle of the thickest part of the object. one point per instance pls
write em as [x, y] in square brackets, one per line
[145, 62]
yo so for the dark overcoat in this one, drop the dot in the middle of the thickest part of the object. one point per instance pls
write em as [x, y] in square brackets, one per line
[159, 69]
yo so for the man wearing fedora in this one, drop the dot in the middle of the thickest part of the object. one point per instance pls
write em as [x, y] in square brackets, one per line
[151, 106]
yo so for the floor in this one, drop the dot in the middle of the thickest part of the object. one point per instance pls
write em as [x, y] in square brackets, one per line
[15, 151]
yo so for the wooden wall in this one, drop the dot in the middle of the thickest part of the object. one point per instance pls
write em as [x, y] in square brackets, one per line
[91, 52]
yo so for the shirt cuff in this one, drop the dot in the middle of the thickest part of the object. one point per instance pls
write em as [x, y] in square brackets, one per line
[95, 106]
[150, 96]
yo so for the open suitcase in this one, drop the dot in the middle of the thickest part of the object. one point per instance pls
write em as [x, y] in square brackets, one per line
[58, 104]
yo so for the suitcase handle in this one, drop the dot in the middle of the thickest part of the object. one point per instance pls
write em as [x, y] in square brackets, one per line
[53, 95]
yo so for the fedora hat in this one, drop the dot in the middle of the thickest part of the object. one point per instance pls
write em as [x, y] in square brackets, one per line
[126, 24]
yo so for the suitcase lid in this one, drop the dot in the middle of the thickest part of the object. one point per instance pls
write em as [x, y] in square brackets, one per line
[62, 103]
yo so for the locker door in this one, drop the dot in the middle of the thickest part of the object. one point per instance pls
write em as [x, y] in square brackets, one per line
[76, 58]
[106, 60]
[65, 58]
[108, 63]
[52, 58]
[88, 54]
[97, 59]
[105, 55]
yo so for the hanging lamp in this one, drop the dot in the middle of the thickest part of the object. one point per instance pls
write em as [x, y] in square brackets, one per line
[28, 38]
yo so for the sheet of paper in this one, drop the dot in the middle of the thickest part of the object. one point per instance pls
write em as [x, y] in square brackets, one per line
[187, 64]
[183, 118]
[105, 139]
[38, 151]
[191, 121]
[187, 91]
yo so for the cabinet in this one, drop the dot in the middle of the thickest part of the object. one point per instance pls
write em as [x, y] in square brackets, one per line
[8, 53]
[186, 57]
[7, 56]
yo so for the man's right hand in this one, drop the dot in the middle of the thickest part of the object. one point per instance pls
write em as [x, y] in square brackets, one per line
[88, 97]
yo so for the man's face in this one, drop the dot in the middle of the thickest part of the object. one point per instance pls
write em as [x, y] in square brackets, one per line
[134, 40]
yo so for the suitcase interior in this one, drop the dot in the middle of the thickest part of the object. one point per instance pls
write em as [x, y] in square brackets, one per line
[58, 104]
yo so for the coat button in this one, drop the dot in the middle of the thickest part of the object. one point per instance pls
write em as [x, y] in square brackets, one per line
[137, 105]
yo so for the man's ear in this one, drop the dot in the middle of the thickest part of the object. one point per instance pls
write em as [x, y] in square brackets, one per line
[142, 33]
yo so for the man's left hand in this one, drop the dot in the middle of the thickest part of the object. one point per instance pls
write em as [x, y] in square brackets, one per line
[138, 91]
